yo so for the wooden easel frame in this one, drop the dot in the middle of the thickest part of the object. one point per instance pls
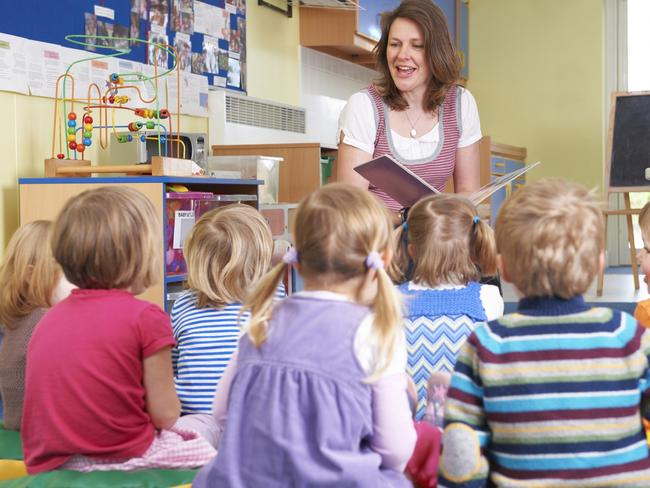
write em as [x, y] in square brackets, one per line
[628, 211]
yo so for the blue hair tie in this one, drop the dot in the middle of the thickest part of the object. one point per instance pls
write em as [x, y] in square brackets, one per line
[405, 226]
[476, 219]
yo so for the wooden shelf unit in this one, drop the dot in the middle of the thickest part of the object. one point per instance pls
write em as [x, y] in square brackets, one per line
[43, 198]
[299, 172]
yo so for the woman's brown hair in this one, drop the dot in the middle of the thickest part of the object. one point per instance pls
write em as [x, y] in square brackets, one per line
[440, 53]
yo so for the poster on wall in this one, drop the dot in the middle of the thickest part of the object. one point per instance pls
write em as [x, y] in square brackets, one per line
[158, 57]
[183, 51]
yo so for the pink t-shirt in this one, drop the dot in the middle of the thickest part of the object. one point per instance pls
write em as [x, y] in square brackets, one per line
[84, 390]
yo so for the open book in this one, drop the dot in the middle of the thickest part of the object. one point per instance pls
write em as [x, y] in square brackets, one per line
[406, 188]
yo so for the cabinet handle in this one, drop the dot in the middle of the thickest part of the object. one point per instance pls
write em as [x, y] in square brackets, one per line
[500, 165]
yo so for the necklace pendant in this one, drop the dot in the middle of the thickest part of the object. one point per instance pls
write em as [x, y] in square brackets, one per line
[413, 133]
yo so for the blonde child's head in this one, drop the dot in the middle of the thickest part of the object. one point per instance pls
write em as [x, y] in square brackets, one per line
[109, 237]
[341, 235]
[228, 250]
[29, 273]
[446, 240]
[550, 239]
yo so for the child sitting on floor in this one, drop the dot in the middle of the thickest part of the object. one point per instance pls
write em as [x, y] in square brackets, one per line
[228, 250]
[32, 282]
[447, 243]
[550, 395]
[316, 393]
[100, 393]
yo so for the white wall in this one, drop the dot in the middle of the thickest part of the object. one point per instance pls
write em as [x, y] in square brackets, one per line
[326, 84]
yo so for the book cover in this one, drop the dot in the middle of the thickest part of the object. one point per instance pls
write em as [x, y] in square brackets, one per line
[406, 188]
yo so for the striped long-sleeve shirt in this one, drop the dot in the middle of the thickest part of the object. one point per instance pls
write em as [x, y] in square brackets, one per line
[549, 396]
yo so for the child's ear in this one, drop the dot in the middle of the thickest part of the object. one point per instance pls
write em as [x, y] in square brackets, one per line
[387, 257]
[503, 271]
[410, 249]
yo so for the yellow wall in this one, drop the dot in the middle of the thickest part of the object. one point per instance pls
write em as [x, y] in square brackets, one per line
[273, 54]
[536, 70]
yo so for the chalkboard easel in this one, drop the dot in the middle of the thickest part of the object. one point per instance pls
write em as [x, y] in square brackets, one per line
[628, 156]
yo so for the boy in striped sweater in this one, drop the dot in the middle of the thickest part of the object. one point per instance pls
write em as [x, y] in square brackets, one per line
[550, 395]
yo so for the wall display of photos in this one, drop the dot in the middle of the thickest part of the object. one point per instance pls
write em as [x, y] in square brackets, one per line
[209, 35]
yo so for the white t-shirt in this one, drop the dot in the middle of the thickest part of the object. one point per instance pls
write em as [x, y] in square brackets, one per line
[359, 127]
[491, 298]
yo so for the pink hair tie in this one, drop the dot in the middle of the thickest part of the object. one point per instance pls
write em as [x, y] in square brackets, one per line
[374, 261]
[291, 256]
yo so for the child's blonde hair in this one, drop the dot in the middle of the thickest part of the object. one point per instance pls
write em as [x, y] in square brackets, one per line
[448, 241]
[550, 236]
[109, 237]
[337, 227]
[228, 250]
[28, 272]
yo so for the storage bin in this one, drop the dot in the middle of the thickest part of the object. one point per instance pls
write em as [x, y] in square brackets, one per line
[182, 210]
[264, 168]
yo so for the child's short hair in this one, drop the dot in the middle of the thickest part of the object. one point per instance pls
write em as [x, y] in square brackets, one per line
[644, 220]
[449, 241]
[109, 237]
[550, 237]
[28, 272]
[228, 250]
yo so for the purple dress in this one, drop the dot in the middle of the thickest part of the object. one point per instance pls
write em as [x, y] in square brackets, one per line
[299, 413]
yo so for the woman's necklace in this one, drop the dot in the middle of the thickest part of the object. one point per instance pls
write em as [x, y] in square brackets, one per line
[413, 132]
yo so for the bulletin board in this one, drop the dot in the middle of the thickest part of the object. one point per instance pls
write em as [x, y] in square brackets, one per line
[209, 35]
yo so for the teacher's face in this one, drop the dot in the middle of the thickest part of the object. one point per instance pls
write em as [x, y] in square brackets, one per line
[406, 56]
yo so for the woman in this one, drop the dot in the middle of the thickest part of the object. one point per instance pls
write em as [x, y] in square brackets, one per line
[415, 112]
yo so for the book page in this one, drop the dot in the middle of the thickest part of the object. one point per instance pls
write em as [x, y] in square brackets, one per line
[498, 183]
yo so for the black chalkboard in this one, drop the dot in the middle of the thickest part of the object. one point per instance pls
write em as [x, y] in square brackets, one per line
[630, 142]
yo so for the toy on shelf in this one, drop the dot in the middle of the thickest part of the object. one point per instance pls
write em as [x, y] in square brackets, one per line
[81, 122]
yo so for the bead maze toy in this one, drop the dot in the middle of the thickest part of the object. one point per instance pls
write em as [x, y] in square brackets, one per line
[80, 121]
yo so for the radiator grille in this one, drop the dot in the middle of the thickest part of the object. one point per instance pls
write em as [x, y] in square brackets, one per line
[240, 110]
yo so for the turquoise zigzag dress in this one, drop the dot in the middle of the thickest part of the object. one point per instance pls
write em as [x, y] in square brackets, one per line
[437, 323]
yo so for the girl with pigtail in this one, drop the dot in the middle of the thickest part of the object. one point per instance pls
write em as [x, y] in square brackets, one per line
[447, 247]
[316, 393]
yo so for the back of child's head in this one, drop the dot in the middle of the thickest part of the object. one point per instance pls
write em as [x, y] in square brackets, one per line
[550, 237]
[337, 228]
[447, 241]
[28, 272]
[228, 250]
[109, 237]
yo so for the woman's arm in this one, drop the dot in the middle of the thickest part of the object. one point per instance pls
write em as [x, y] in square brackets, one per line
[348, 158]
[161, 400]
[467, 171]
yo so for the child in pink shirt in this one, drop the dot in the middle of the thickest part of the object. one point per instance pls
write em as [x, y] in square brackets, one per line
[99, 391]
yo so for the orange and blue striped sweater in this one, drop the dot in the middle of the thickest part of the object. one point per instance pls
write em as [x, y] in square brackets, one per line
[549, 396]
